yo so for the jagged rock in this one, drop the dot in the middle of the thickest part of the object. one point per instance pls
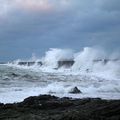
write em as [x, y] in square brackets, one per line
[30, 63]
[13, 75]
[51, 92]
[75, 90]
[46, 107]
[65, 63]
[1, 104]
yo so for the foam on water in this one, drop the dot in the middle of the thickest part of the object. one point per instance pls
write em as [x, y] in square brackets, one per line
[61, 89]
[89, 60]
[94, 79]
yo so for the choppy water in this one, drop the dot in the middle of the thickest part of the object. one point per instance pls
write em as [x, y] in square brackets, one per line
[17, 83]
[94, 79]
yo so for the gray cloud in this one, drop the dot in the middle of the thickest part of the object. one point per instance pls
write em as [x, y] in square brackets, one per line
[71, 24]
[110, 5]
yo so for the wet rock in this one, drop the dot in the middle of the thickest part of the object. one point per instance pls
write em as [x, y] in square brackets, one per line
[51, 92]
[40, 63]
[38, 99]
[47, 107]
[1, 104]
[13, 75]
[65, 63]
[30, 63]
[75, 90]
[26, 63]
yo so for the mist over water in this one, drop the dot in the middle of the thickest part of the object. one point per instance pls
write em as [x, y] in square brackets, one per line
[89, 60]
[54, 55]
[95, 72]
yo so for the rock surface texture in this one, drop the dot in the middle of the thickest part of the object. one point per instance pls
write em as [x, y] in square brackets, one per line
[75, 90]
[48, 107]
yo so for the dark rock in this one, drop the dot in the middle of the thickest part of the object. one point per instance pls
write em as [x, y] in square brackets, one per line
[51, 92]
[30, 63]
[26, 63]
[75, 90]
[14, 75]
[65, 63]
[1, 104]
[34, 100]
[46, 107]
[105, 61]
[40, 63]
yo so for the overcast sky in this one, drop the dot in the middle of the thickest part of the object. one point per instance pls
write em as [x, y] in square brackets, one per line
[34, 26]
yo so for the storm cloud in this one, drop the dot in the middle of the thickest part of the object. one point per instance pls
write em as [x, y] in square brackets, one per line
[34, 26]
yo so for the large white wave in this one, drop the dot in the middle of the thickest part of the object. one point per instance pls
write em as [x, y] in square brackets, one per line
[54, 55]
[98, 62]
[90, 60]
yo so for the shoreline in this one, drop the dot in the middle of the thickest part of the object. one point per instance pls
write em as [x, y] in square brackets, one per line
[47, 107]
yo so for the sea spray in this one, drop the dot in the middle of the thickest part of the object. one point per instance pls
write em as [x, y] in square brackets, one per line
[54, 55]
[89, 60]
[23, 81]
[84, 60]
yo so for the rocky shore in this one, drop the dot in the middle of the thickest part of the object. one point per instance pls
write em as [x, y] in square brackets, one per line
[46, 107]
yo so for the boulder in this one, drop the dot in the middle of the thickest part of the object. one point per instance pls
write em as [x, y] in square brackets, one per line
[75, 90]
[65, 63]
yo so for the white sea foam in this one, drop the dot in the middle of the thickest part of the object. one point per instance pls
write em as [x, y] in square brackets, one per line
[85, 62]
[54, 55]
[90, 73]
[61, 89]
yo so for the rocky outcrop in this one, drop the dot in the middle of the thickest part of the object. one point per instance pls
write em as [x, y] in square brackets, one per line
[48, 107]
[105, 61]
[65, 63]
[75, 90]
[29, 63]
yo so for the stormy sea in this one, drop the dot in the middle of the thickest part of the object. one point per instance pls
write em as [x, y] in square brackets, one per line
[95, 73]
[61, 85]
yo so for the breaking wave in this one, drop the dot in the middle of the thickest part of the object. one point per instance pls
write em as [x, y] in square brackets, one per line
[89, 60]
[95, 72]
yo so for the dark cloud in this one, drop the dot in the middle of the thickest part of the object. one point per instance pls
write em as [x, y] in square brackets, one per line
[71, 24]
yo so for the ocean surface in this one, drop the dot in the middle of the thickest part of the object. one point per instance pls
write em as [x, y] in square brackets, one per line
[90, 73]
